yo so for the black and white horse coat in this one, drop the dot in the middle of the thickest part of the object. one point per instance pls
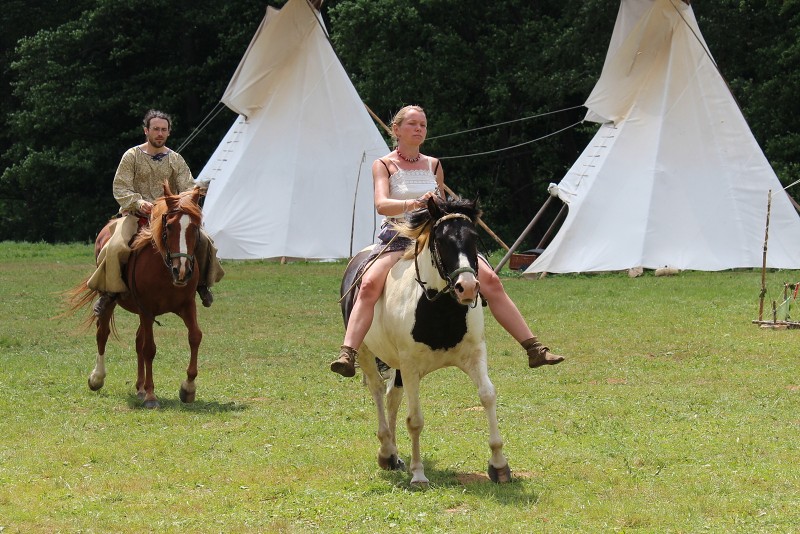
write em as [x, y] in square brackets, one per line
[416, 331]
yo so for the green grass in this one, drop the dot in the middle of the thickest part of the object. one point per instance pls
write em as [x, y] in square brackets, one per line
[672, 413]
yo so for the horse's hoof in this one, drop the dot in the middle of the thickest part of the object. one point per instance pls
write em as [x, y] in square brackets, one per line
[151, 404]
[186, 396]
[94, 387]
[140, 395]
[421, 484]
[501, 475]
[392, 463]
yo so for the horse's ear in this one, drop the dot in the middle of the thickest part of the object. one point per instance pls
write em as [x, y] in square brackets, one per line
[434, 209]
[196, 194]
[167, 190]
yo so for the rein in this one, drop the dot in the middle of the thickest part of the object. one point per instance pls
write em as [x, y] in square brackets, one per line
[437, 262]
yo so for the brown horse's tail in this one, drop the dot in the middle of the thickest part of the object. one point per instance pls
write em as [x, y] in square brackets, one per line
[79, 297]
[76, 298]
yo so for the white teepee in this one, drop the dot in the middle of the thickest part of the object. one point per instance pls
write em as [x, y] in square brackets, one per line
[673, 177]
[292, 177]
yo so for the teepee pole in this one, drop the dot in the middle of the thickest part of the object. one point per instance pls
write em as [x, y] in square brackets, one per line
[523, 234]
[764, 262]
[480, 221]
[546, 238]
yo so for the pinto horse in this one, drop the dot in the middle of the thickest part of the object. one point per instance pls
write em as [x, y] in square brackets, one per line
[161, 278]
[427, 318]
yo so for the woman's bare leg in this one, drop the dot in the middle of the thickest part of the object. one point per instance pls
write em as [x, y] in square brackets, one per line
[363, 311]
[508, 316]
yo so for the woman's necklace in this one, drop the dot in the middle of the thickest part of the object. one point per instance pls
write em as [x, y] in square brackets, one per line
[410, 160]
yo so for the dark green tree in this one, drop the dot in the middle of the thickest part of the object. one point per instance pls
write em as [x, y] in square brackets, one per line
[83, 73]
[83, 88]
[472, 64]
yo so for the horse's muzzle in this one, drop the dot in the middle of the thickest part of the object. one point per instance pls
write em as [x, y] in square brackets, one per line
[181, 274]
[466, 289]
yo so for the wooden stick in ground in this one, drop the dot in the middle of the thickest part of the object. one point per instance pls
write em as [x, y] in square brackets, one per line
[523, 234]
[764, 262]
[546, 238]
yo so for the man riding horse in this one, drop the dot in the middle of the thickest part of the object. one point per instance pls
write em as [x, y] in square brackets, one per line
[139, 180]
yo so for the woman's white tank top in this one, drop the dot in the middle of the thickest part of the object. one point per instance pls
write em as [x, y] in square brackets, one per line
[410, 184]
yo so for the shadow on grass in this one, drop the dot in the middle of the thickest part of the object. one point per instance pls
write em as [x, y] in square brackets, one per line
[478, 484]
[197, 406]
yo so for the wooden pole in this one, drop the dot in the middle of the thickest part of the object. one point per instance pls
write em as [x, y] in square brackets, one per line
[480, 221]
[764, 262]
[378, 120]
[524, 233]
[546, 238]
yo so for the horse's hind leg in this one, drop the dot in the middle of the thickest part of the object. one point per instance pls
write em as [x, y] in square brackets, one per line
[499, 470]
[146, 352]
[98, 375]
[188, 387]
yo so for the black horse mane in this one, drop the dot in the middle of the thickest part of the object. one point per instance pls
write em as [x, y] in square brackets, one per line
[419, 223]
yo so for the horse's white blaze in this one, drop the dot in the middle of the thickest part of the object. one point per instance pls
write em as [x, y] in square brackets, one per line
[466, 285]
[183, 245]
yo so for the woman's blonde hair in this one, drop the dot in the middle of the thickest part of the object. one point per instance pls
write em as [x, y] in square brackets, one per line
[400, 116]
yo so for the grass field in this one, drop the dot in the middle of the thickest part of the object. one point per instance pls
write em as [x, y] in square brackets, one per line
[672, 413]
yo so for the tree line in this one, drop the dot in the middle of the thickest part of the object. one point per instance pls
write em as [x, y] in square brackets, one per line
[79, 76]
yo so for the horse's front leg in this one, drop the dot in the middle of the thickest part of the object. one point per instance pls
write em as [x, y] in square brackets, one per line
[499, 470]
[146, 353]
[387, 453]
[414, 424]
[188, 387]
[394, 396]
[98, 375]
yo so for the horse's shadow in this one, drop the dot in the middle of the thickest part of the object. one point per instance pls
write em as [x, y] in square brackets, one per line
[135, 403]
[473, 483]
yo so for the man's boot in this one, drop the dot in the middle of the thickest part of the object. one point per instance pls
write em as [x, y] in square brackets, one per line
[346, 364]
[103, 302]
[538, 354]
[205, 296]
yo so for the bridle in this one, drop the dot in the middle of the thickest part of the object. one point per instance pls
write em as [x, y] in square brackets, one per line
[437, 261]
[169, 256]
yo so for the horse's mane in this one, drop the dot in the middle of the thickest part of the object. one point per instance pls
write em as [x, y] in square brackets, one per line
[418, 224]
[185, 202]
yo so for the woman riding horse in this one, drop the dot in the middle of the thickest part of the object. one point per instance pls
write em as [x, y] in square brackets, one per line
[404, 180]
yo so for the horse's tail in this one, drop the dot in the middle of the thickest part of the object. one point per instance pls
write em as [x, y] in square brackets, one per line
[79, 297]
[76, 298]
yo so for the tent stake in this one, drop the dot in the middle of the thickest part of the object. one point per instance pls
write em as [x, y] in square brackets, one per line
[764, 262]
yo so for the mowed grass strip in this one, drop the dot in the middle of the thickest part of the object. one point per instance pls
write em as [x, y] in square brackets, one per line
[672, 413]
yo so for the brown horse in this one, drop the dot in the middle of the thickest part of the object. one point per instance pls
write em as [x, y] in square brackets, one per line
[161, 278]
